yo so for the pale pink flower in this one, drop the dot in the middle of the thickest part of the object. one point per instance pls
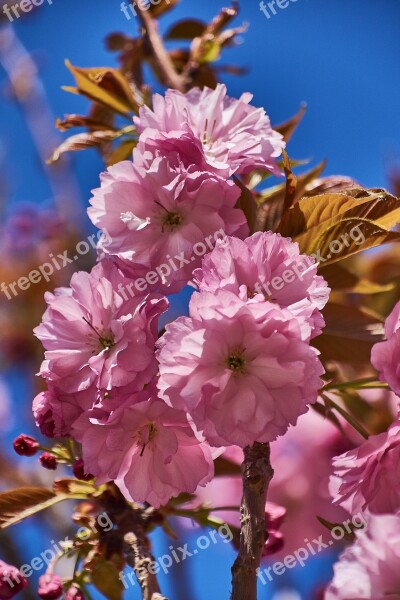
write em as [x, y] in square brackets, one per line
[365, 478]
[162, 216]
[241, 370]
[268, 266]
[147, 448]
[234, 133]
[183, 144]
[369, 569]
[302, 461]
[96, 336]
[55, 411]
[385, 356]
[302, 464]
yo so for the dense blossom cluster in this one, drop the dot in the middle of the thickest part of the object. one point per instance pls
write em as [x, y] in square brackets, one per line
[149, 412]
[365, 480]
[152, 411]
[363, 477]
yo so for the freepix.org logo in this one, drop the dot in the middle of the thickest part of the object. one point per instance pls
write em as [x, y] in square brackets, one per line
[270, 9]
[14, 11]
[129, 10]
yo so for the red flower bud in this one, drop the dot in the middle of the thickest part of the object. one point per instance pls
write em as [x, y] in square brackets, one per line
[50, 587]
[11, 581]
[25, 445]
[79, 471]
[48, 461]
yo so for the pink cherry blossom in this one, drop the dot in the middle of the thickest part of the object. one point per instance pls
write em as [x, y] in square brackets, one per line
[146, 447]
[183, 143]
[268, 266]
[157, 212]
[55, 411]
[95, 336]
[233, 133]
[241, 370]
[385, 356]
[365, 478]
[369, 569]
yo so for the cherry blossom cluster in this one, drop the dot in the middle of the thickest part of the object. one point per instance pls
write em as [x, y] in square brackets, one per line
[151, 412]
[365, 479]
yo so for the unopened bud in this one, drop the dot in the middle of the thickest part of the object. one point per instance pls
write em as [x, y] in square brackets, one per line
[25, 445]
[50, 587]
[48, 461]
[79, 471]
[11, 581]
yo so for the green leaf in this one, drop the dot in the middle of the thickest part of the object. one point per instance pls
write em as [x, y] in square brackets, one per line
[186, 29]
[122, 152]
[95, 139]
[247, 203]
[210, 51]
[350, 537]
[270, 201]
[291, 183]
[106, 86]
[252, 180]
[19, 504]
[288, 128]
[156, 10]
[339, 225]
[343, 281]
[349, 334]
[105, 577]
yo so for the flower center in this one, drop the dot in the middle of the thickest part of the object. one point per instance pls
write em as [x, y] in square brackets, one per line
[207, 137]
[172, 220]
[236, 362]
[106, 340]
[146, 435]
[169, 219]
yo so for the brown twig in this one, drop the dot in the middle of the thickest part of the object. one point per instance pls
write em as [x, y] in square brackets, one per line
[132, 523]
[171, 78]
[257, 474]
[140, 559]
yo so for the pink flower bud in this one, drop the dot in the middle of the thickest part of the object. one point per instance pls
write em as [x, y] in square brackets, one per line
[25, 445]
[74, 593]
[79, 471]
[48, 461]
[50, 587]
[274, 543]
[11, 581]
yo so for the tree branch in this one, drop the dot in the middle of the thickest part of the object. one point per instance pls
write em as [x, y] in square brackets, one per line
[171, 78]
[140, 559]
[257, 474]
[132, 522]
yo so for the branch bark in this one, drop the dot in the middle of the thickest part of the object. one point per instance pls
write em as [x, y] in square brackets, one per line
[132, 523]
[172, 79]
[257, 474]
[140, 559]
